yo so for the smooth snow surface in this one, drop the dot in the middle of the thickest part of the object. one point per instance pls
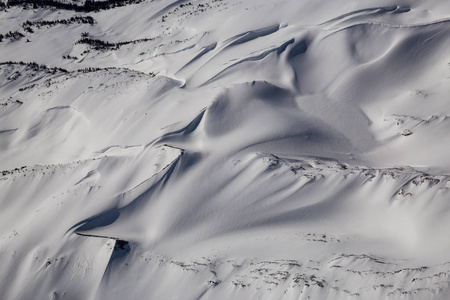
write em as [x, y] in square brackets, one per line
[225, 149]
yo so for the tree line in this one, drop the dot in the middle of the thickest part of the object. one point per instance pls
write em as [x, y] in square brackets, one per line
[88, 6]
[75, 19]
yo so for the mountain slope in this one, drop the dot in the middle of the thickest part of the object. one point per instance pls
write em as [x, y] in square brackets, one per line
[224, 150]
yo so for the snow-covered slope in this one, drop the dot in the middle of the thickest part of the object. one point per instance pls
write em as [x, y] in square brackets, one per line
[225, 150]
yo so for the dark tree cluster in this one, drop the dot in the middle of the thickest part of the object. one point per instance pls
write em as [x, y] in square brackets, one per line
[11, 35]
[95, 69]
[103, 45]
[88, 6]
[76, 19]
[89, 70]
[34, 66]
[98, 44]
[69, 57]
[9, 172]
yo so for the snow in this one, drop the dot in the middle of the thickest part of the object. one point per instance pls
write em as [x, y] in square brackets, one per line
[226, 150]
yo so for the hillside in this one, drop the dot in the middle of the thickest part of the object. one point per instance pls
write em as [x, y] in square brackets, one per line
[224, 149]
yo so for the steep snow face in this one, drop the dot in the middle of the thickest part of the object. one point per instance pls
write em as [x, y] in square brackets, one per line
[225, 150]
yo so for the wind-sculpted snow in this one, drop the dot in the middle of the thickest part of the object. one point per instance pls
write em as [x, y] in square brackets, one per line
[225, 150]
